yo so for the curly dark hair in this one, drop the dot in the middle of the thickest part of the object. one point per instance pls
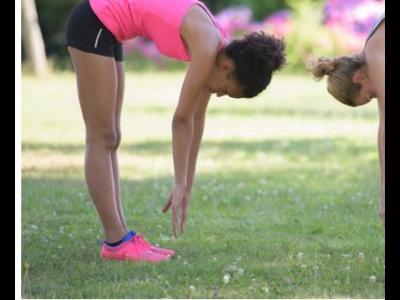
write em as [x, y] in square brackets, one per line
[255, 56]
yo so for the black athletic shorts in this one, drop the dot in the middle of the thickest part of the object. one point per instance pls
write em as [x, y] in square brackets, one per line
[87, 33]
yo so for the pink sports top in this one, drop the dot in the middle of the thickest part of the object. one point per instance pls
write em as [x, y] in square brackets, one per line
[157, 20]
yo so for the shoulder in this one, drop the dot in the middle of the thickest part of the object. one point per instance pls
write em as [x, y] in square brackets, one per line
[377, 41]
[199, 32]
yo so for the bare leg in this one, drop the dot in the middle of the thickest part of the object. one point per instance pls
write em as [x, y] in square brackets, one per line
[97, 81]
[114, 157]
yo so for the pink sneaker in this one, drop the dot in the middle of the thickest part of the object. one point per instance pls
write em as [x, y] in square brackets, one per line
[132, 250]
[159, 250]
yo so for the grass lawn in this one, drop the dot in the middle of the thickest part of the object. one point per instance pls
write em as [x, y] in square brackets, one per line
[285, 201]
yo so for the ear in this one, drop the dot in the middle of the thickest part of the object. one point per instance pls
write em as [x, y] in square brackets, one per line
[227, 64]
[359, 76]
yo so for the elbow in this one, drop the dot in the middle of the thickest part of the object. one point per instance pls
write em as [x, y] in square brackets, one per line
[179, 122]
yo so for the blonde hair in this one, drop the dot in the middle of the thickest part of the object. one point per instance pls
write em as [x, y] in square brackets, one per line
[340, 73]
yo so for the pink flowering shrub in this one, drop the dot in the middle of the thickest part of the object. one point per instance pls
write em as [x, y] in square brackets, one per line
[351, 21]
[334, 28]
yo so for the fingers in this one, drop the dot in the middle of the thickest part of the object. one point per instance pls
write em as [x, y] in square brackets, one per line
[167, 205]
[175, 214]
[184, 213]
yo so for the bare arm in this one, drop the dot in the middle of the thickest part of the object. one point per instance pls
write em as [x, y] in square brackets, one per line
[199, 121]
[202, 40]
[183, 121]
[198, 128]
[381, 145]
[375, 57]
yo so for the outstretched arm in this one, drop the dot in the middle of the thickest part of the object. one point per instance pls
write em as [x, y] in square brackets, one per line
[198, 128]
[375, 57]
[199, 121]
[203, 42]
[381, 145]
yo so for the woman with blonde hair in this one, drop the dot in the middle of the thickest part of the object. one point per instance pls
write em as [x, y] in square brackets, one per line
[355, 80]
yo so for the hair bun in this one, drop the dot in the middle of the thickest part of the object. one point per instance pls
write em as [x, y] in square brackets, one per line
[321, 67]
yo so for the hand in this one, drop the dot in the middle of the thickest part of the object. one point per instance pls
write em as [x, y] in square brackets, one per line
[179, 199]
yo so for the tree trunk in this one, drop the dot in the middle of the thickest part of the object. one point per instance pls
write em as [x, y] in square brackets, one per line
[32, 37]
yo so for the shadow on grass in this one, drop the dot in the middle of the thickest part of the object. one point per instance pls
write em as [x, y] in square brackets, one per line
[248, 111]
[318, 149]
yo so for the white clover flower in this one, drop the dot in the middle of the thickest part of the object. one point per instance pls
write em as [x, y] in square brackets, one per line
[300, 255]
[361, 255]
[226, 278]
[372, 279]
[192, 288]
[266, 289]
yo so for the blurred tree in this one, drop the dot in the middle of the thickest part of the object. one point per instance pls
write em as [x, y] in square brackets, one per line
[33, 40]
[308, 37]
[53, 16]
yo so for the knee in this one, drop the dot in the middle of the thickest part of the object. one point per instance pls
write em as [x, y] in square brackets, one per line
[109, 140]
[118, 140]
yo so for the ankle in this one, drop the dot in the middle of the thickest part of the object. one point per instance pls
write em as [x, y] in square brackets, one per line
[113, 236]
[126, 238]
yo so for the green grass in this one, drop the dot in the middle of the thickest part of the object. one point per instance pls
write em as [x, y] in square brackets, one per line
[287, 190]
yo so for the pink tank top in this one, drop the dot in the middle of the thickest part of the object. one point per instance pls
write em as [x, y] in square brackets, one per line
[157, 20]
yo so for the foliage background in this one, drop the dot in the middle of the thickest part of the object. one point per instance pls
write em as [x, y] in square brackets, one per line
[310, 28]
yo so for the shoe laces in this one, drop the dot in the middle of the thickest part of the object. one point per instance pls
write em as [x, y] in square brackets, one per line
[142, 240]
